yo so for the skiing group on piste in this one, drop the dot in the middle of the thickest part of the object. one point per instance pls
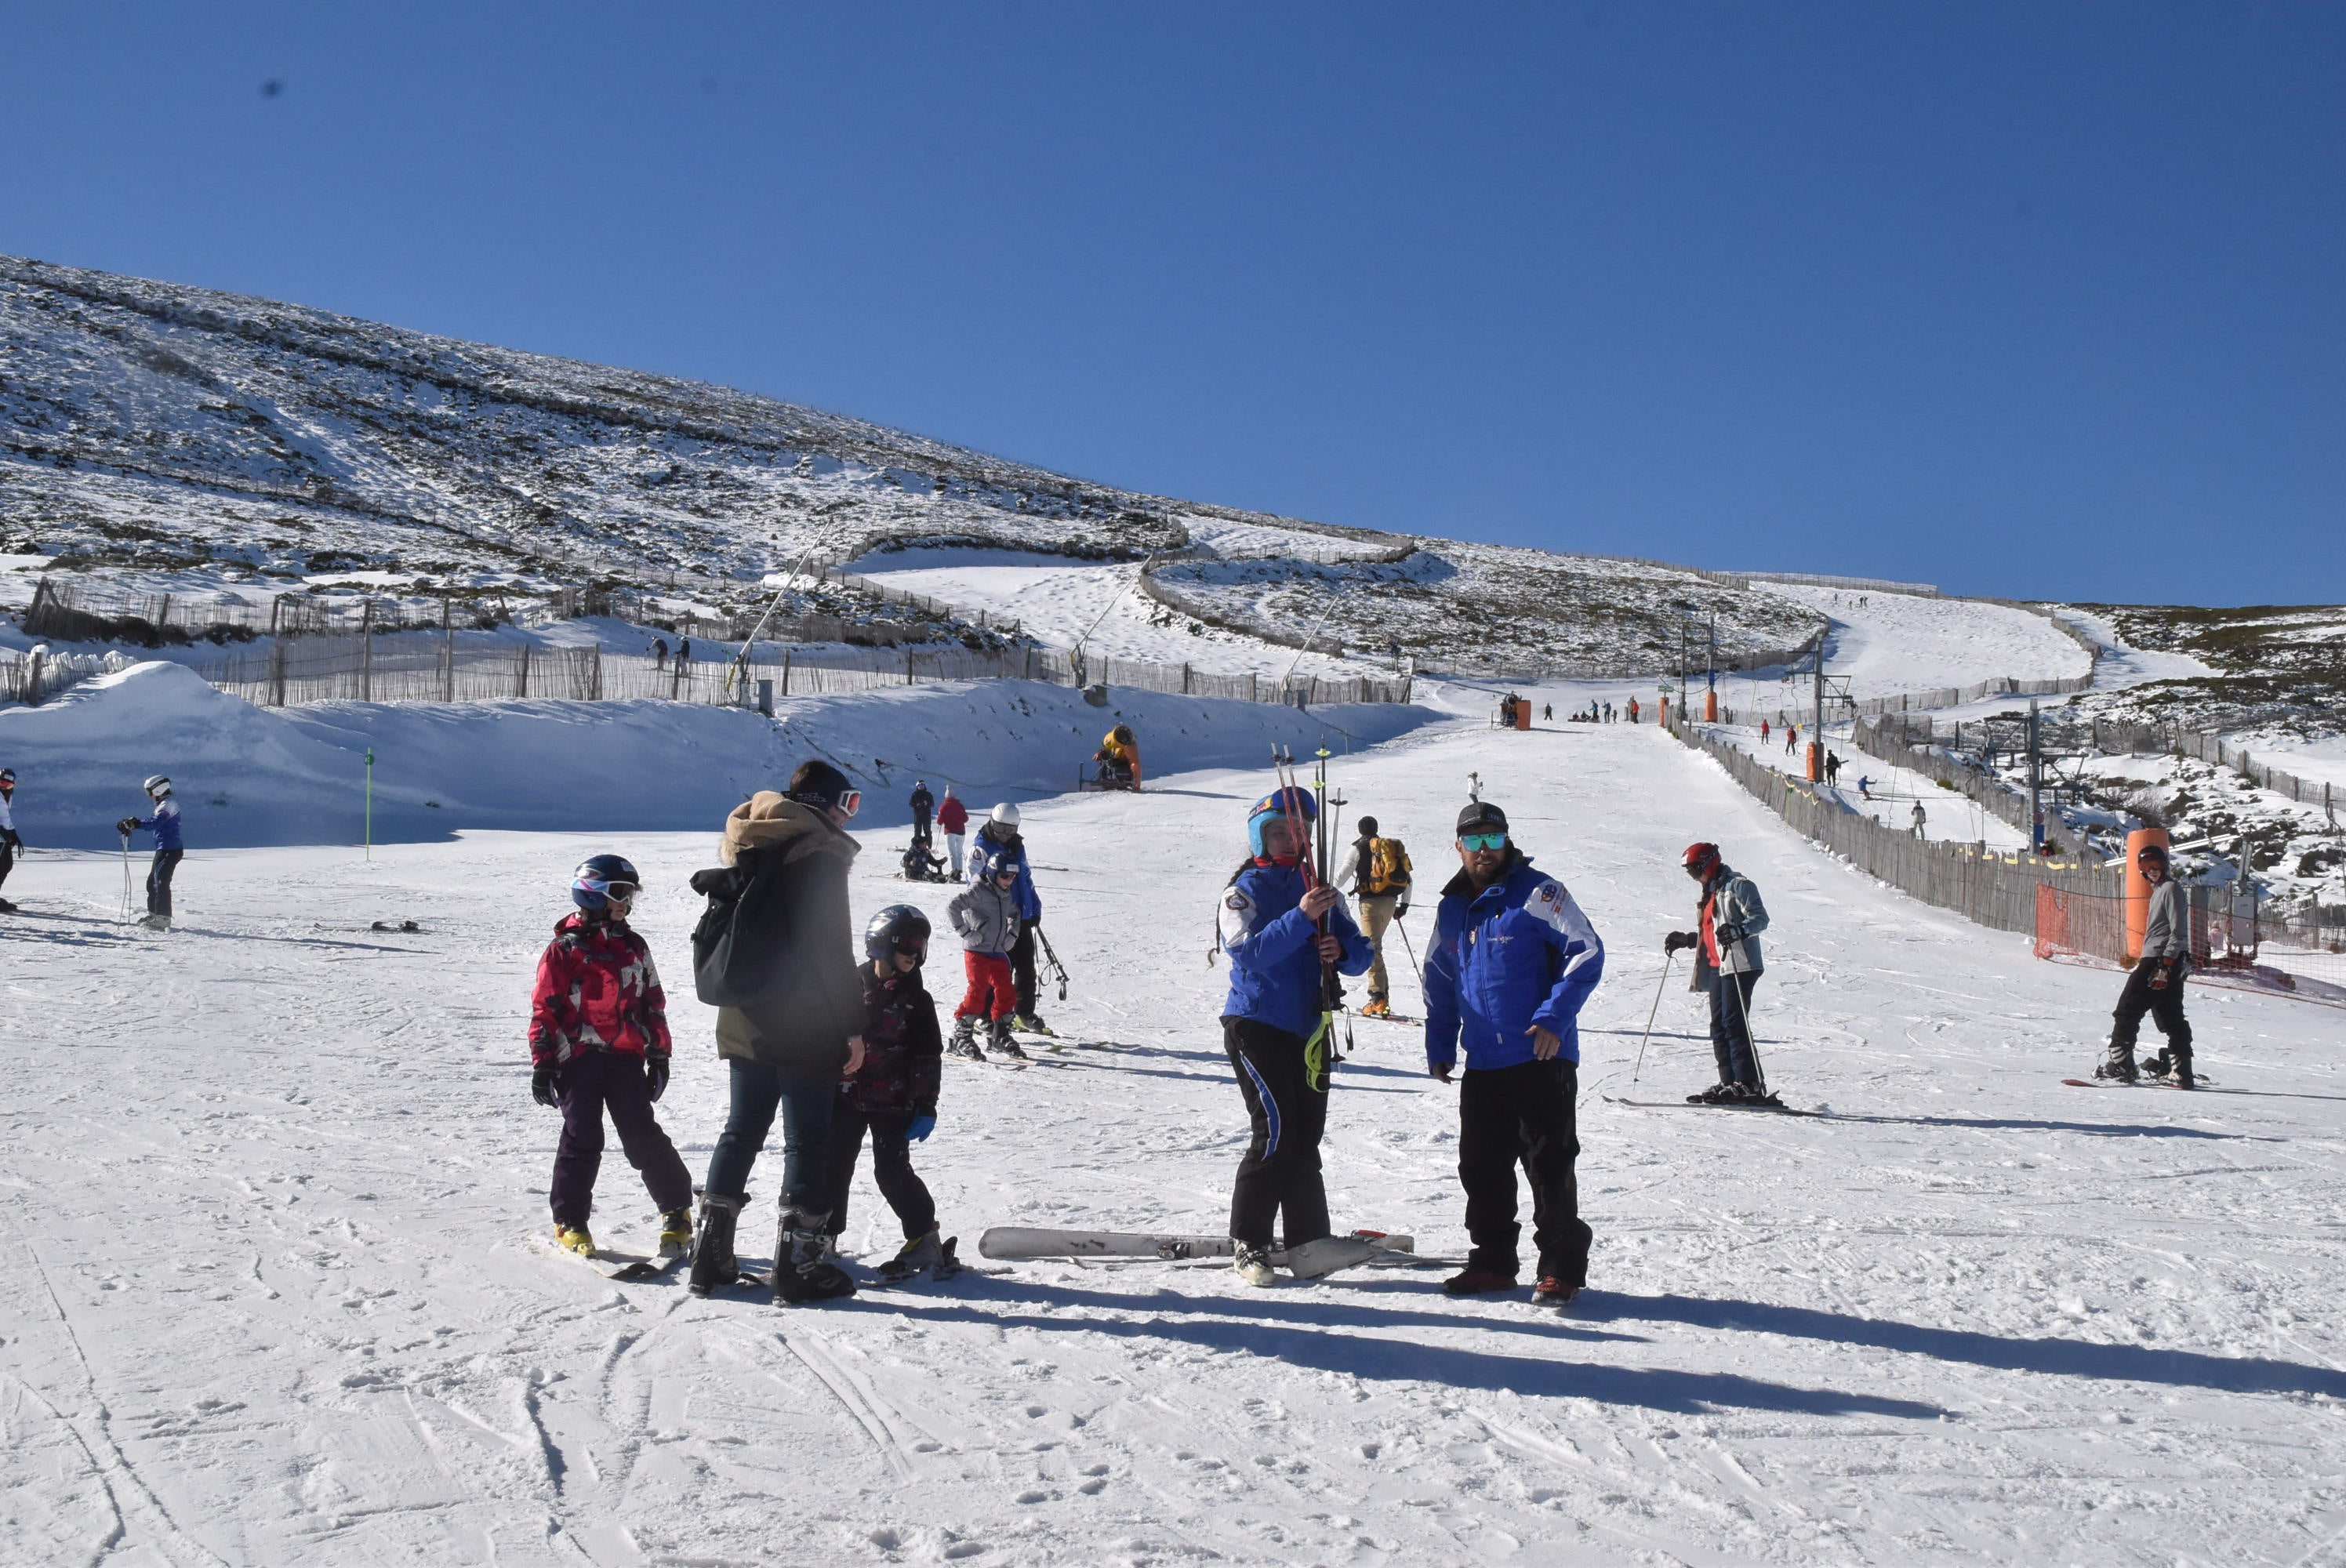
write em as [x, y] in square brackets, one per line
[845, 1050]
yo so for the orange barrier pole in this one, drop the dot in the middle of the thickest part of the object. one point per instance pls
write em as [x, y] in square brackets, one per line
[1816, 761]
[1710, 707]
[2138, 890]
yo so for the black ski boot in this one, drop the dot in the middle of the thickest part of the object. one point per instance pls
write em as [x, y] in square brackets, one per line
[801, 1272]
[965, 1040]
[1002, 1042]
[713, 1263]
[1721, 1095]
[2182, 1057]
[2118, 1065]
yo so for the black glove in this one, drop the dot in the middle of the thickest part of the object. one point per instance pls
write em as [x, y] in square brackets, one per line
[128, 826]
[543, 1087]
[15, 842]
[1678, 940]
[1401, 910]
[1728, 933]
[655, 1075]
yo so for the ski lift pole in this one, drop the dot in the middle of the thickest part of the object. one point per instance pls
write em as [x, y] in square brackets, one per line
[370, 803]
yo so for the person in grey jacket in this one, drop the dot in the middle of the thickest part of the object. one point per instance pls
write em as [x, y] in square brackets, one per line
[1726, 963]
[988, 916]
[2155, 985]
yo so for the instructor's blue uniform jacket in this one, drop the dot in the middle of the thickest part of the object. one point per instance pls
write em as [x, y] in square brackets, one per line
[1274, 973]
[1518, 953]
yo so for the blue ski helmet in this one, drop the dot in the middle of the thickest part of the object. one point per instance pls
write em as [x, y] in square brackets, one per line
[1278, 804]
[602, 878]
[899, 928]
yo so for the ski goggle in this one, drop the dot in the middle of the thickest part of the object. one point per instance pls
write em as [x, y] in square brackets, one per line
[850, 803]
[1477, 842]
[618, 892]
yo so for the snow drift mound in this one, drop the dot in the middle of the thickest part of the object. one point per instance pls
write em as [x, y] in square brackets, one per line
[250, 776]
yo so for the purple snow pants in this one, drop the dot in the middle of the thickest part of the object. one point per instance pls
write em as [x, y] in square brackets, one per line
[613, 1081]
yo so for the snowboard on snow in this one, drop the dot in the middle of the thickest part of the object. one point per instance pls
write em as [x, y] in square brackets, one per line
[2198, 1080]
[1311, 1260]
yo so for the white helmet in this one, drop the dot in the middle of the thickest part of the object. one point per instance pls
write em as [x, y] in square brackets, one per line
[1005, 814]
[159, 787]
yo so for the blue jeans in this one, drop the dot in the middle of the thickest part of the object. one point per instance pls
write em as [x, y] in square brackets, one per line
[805, 1100]
[1731, 1027]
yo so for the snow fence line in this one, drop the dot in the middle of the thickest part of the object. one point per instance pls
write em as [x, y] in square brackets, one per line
[370, 669]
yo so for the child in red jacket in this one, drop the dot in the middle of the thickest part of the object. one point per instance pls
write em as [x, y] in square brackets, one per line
[598, 1041]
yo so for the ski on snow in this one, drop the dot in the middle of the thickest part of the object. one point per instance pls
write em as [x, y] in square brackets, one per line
[1754, 1106]
[629, 1268]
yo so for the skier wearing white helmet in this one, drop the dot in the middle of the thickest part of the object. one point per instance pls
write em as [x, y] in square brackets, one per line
[170, 850]
[1000, 843]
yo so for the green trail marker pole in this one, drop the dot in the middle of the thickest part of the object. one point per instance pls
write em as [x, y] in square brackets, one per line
[370, 803]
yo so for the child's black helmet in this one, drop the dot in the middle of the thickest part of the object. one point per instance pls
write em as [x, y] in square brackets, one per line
[899, 928]
[602, 878]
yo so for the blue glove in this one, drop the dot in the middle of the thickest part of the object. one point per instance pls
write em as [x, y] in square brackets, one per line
[920, 1128]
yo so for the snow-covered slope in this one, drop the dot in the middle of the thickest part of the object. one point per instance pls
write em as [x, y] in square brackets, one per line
[248, 775]
[1889, 643]
[277, 1294]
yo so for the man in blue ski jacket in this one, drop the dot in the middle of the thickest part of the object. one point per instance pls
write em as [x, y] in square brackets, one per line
[1512, 962]
[1275, 1027]
[170, 850]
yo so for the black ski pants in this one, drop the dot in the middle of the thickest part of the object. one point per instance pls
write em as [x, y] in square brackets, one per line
[1278, 1177]
[159, 880]
[7, 858]
[892, 1167]
[1021, 967]
[921, 829]
[806, 1100]
[1731, 1027]
[2164, 1004]
[1524, 1116]
[613, 1081]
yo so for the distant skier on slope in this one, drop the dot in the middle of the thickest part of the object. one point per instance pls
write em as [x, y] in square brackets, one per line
[170, 848]
[952, 821]
[922, 804]
[1275, 1031]
[998, 841]
[1726, 963]
[2155, 984]
[1920, 820]
[1510, 962]
[599, 1042]
[10, 844]
[1377, 874]
[775, 954]
[892, 1092]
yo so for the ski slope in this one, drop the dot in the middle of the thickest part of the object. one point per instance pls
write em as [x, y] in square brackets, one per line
[277, 1293]
[1889, 643]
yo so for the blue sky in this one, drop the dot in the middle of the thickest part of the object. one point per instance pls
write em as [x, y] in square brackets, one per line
[2034, 299]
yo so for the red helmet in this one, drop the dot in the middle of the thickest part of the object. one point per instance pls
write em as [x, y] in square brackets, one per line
[1701, 861]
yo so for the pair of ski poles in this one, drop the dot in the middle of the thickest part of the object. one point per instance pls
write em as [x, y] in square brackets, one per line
[1057, 966]
[1721, 978]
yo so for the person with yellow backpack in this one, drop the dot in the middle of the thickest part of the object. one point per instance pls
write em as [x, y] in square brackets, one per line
[1378, 874]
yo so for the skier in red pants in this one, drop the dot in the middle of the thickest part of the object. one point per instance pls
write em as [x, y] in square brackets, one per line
[986, 915]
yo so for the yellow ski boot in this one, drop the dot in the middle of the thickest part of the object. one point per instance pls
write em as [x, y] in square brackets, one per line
[1378, 1007]
[676, 1233]
[574, 1239]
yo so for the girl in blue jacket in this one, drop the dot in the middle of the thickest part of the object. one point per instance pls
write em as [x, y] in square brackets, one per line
[1275, 1028]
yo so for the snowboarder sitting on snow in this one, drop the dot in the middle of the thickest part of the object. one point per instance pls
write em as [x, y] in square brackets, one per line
[999, 840]
[598, 1041]
[986, 914]
[1119, 759]
[892, 1092]
[1511, 963]
[170, 850]
[9, 842]
[953, 819]
[1378, 874]
[775, 954]
[1275, 1027]
[1726, 949]
[2155, 985]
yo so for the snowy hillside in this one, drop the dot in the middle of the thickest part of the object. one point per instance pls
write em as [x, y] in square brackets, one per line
[280, 1294]
[145, 425]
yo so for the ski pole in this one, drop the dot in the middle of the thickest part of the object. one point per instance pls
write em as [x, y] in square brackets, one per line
[1744, 1018]
[1668, 959]
[1055, 964]
[125, 878]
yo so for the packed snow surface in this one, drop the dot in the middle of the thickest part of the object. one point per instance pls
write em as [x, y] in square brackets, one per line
[279, 1290]
[1890, 642]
